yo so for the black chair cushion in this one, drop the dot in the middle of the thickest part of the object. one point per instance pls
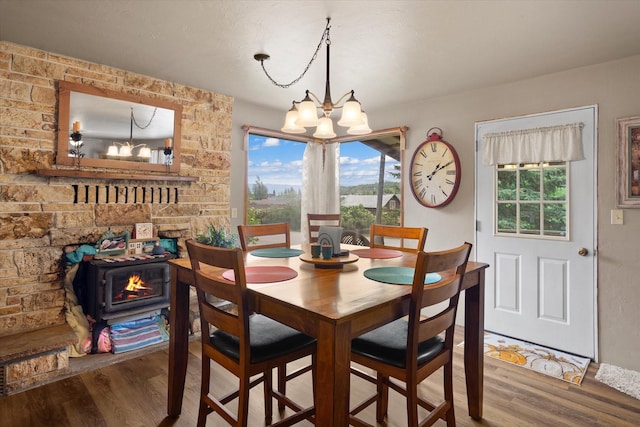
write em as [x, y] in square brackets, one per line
[388, 344]
[268, 339]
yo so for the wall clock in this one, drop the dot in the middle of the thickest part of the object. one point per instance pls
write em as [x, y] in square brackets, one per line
[434, 171]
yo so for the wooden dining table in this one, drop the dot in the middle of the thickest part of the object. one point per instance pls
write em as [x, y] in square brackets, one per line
[333, 305]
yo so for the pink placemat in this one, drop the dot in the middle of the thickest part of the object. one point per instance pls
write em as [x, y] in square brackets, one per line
[377, 253]
[263, 274]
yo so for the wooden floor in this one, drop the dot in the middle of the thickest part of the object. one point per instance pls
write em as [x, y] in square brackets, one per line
[134, 393]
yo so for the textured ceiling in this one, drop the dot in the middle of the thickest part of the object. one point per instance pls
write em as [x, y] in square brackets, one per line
[389, 52]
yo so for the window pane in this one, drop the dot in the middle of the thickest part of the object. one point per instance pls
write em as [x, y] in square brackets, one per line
[274, 174]
[507, 184]
[507, 218]
[530, 184]
[555, 184]
[366, 169]
[555, 223]
[530, 218]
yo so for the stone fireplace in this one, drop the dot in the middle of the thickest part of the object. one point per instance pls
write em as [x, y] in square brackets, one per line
[40, 215]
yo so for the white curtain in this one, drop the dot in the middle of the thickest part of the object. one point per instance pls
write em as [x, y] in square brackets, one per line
[546, 144]
[320, 182]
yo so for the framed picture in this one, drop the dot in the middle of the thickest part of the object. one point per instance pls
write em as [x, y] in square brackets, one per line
[144, 230]
[112, 245]
[628, 153]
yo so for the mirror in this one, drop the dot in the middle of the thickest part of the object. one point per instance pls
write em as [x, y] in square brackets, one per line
[109, 129]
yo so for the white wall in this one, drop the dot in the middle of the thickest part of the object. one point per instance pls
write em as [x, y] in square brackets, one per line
[614, 86]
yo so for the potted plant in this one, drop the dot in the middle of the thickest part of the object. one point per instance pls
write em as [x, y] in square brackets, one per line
[219, 238]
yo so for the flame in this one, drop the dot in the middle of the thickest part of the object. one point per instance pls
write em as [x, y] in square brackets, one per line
[135, 284]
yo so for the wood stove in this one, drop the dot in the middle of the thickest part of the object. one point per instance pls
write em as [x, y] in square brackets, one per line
[119, 288]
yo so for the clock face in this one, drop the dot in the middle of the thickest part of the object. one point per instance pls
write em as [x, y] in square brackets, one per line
[435, 173]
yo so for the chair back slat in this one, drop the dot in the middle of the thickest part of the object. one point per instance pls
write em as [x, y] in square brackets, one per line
[441, 291]
[314, 221]
[416, 235]
[437, 324]
[280, 232]
[220, 319]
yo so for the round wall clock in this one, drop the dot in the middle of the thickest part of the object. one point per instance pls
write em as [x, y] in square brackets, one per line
[434, 171]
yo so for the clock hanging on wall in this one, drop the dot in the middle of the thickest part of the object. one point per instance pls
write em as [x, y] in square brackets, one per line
[434, 171]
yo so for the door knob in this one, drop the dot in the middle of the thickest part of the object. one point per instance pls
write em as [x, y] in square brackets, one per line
[583, 251]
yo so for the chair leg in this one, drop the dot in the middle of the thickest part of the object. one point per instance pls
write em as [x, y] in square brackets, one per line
[448, 394]
[412, 403]
[268, 395]
[282, 385]
[203, 410]
[243, 401]
[382, 404]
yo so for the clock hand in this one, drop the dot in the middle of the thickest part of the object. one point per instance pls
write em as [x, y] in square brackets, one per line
[438, 168]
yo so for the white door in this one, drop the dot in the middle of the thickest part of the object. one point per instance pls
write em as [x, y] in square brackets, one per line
[540, 286]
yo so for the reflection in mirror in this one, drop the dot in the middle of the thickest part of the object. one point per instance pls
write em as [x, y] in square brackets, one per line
[102, 128]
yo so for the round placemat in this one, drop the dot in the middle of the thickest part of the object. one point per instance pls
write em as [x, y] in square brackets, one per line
[263, 274]
[276, 252]
[398, 275]
[377, 253]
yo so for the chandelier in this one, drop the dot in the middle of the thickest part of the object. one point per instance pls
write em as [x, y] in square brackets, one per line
[304, 114]
[126, 148]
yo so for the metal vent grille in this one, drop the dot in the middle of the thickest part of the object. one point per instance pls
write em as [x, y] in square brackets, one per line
[124, 194]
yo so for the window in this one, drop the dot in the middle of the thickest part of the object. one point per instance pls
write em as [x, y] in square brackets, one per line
[531, 200]
[370, 175]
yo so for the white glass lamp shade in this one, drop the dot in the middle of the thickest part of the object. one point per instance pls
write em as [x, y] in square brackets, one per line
[113, 150]
[324, 129]
[145, 152]
[125, 151]
[362, 129]
[290, 125]
[351, 114]
[307, 114]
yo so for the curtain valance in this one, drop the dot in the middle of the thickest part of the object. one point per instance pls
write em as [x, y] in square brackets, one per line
[545, 144]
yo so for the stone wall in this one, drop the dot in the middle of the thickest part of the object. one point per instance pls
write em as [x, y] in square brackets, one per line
[39, 216]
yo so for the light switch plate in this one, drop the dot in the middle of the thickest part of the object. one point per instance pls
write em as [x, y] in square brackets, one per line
[234, 212]
[617, 216]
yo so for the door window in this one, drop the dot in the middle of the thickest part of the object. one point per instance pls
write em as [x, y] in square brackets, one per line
[531, 200]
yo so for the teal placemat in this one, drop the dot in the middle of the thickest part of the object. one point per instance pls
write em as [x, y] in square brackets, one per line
[276, 252]
[398, 275]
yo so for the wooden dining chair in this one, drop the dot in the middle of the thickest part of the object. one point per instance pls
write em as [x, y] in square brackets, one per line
[243, 342]
[408, 350]
[378, 233]
[353, 238]
[314, 221]
[264, 236]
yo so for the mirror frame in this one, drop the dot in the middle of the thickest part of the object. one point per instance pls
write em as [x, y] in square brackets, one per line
[64, 107]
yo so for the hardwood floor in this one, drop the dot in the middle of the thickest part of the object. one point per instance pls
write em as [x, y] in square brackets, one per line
[134, 393]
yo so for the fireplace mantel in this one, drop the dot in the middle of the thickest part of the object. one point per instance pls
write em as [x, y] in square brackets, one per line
[75, 173]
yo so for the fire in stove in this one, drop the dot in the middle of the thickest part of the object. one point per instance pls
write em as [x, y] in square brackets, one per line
[135, 288]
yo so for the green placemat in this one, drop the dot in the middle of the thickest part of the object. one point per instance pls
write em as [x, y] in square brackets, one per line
[276, 252]
[398, 275]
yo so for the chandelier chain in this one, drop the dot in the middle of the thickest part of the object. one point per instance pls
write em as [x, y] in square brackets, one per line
[325, 36]
[150, 120]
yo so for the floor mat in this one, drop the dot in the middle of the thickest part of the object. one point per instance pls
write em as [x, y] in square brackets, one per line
[621, 379]
[554, 363]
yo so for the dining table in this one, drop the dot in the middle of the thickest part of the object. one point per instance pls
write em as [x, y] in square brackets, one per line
[334, 302]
